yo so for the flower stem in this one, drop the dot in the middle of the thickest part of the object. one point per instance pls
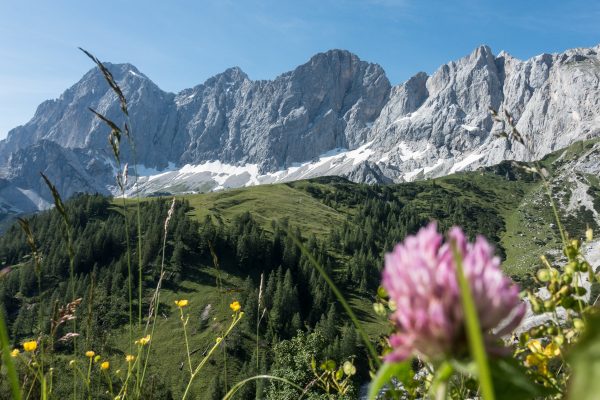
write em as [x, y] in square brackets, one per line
[474, 335]
[235, 321]
[439, 386]
[187, 345]
[340, 297]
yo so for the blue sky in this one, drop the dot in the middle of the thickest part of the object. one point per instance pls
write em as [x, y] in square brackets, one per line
[181, 43]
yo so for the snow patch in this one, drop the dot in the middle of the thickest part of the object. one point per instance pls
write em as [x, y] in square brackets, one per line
[142, 170]
[409, 176]
[181, 101]
[407, 154]
[470, 159]
[221, 170]
[470, 128]
[438, 163]
[35, 198]
[407, 117]
[575, 115]
[216, 175]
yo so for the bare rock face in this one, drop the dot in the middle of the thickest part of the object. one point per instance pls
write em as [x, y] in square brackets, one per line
[326, 103]
[72, 171]
[334, 115]
[441, 124]
[68, 122]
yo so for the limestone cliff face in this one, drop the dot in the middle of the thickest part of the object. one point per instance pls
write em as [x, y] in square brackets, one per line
[334, 115]
[439, 124]
[326, 103]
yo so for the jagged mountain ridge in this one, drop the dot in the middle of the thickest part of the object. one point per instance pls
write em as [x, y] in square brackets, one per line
[334, 115]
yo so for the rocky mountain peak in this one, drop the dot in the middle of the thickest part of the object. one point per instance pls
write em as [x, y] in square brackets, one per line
[333, 115]
[230, 76]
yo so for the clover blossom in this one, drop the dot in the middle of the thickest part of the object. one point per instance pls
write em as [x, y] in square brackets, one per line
[420, 278]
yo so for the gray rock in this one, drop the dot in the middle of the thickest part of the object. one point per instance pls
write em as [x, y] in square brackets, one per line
[334, 115]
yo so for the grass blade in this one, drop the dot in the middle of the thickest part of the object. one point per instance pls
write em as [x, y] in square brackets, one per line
[239, 385]
[110, 79]
[339, 295]
[476, 345]
[10, 366]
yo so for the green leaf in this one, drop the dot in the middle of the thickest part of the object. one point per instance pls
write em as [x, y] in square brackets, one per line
[443, 373]
[585, 362]
[402, 371]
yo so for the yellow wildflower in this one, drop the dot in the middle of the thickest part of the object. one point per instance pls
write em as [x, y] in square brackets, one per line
[105, 365]
[129, 358]
[534, 360]
[90, 354]
[181, 303]
[552, 350]
[143, 341]
[97, 358]
[535, 346]
[235, 306]
[30, 346]
[14, 353]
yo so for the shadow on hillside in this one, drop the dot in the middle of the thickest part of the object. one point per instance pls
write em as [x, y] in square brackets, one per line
[355, 297]
[197, 275]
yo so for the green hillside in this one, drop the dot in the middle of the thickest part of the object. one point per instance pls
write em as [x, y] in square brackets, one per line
[348, 226]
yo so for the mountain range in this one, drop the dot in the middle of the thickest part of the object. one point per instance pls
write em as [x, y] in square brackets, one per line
[334, 115]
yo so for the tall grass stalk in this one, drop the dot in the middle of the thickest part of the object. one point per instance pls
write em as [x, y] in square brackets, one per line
[128, 254]
[238, 386]
[515, 135]
[223, 302]
[60, 207]
[11, 371]
[184, 321]
[155, 301]
[114, 140]
[259, 317]
[37, 265]
[340, 297]
[473, 327]
[236, 319]
[564, 237]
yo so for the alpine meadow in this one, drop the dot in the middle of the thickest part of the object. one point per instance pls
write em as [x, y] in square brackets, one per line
[324, 234]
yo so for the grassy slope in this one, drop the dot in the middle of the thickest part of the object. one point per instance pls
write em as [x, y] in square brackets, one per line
[523, 205]
[531, 226]
[265, 203]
